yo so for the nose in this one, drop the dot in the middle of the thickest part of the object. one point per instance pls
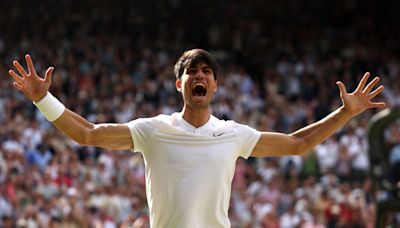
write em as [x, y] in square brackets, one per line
[199, 74]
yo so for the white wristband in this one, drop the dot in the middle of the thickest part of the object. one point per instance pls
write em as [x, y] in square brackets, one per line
[50, 107]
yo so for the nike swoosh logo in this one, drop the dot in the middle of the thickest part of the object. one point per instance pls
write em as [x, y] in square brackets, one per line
[218, 134]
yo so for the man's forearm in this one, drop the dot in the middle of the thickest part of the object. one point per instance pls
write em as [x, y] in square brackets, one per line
[74, 126]
[319, 131]
[68, 122]
[107, 135]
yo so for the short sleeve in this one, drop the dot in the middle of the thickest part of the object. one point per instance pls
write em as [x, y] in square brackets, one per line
[248, 138]
[141, 130]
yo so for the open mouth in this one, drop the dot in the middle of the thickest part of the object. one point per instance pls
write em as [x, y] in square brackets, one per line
[199, 90]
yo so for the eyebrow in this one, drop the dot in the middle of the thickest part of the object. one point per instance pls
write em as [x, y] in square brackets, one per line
[202, 68]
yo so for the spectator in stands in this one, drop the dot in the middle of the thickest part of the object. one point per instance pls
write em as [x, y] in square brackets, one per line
[321, 51]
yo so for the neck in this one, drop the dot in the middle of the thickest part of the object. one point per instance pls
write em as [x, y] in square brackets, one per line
[196, 118]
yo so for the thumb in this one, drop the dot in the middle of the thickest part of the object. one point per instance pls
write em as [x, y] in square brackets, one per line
[342, 88]
[49, 74]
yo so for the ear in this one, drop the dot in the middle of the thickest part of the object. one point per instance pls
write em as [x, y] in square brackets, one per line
[178, 84]
[216, 86]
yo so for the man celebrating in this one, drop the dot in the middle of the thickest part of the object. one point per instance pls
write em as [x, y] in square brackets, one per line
[190, 156]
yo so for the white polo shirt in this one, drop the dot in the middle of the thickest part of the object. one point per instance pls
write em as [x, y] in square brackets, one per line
[189, 170]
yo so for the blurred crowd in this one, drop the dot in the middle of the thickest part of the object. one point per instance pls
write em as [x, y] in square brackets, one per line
[114, 62]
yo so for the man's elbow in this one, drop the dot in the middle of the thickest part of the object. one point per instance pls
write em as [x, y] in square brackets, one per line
[301, 147]
[85, 138]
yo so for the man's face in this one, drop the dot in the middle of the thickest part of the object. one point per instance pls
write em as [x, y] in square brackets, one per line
[197, 85]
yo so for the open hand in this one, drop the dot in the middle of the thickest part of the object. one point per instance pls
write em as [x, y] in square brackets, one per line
[360, 100]
[31, 84]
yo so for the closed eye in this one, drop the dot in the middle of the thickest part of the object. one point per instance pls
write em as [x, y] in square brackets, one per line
[191, 71]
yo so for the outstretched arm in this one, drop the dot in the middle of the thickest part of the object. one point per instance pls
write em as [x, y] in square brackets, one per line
[301, 141]
[113, 136]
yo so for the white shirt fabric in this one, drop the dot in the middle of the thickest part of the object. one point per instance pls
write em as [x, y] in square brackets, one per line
[189, 170]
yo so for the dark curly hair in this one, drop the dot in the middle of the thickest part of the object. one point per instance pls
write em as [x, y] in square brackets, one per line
[191, 58]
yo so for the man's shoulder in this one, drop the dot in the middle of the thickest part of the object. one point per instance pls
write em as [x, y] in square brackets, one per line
[154, 119]
[229, 124]
[162, 118]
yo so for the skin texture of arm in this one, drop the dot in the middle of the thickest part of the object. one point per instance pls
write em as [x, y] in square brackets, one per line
[107, 135]
[34, 87]
[301, 141]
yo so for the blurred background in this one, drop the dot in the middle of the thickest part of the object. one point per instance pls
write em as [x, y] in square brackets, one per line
[279, 63]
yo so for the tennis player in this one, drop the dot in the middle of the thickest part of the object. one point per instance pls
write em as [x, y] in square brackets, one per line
[190, 156]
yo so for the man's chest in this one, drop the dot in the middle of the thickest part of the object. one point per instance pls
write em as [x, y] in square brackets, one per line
[191, 150]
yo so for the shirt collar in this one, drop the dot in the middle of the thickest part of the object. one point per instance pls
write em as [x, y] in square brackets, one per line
[206, 129]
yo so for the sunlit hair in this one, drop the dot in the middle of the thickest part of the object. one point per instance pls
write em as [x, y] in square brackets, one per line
[191, 58]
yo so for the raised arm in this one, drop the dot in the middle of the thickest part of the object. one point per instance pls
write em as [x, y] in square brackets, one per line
[301, 141]
[112, 136]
